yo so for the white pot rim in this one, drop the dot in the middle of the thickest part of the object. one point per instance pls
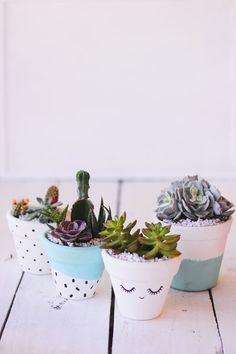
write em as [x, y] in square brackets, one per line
[22, 221]
[139, 264]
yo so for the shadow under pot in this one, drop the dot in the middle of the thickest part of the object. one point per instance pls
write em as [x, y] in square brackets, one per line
[141, 288]
[202, 248]
[27, 238]
[76, 270]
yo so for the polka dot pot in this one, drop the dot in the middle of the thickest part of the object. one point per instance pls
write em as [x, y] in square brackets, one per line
[73, 288]
[27, 238]
[76, 270]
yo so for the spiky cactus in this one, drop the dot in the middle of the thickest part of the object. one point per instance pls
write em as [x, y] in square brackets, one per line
[83, 208]
[192, 198]
[152, 242]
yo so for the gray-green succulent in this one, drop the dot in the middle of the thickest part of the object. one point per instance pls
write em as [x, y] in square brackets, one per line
[153, 241]
[192, 198]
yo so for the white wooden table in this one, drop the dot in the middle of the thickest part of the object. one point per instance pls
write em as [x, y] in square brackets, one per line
[34, 320]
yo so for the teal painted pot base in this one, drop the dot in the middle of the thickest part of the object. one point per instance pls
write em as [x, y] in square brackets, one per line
[197, 275]
[73, 288]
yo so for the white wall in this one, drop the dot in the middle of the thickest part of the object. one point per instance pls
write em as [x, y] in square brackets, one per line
[129, 88]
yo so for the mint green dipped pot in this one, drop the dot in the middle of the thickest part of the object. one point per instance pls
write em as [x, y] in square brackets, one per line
[76, 270]
[202, 248]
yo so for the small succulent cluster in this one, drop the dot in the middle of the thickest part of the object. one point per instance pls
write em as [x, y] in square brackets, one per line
[192, 198]
[19, 207]
[83, 208]
[153, 242]
[46, 212]
[72, 232]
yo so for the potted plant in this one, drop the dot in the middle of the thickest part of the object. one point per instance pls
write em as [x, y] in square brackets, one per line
[141, 266]
[73, 246]
[198, 211]
[27, 223]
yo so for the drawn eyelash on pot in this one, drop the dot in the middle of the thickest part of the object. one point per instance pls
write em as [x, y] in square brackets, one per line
[150, 291]
[127, 290]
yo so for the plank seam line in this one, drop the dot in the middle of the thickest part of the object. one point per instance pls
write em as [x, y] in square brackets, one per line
[112, 306]
[10, 307]
[216, 320]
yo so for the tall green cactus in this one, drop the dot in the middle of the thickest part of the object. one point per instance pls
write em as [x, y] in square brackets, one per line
[83, 208]
[82, 178]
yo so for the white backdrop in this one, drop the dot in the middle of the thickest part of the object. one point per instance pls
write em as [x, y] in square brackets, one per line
[128, 88]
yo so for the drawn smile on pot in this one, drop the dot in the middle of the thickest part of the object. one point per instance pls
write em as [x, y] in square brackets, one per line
[141, 297]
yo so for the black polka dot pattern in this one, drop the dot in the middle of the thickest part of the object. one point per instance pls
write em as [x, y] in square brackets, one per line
[73, 288]
[28, 247]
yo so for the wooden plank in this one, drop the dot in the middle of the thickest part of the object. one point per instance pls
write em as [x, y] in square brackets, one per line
[187, 323]
[10, 275]
[224, 294]
[41, 322]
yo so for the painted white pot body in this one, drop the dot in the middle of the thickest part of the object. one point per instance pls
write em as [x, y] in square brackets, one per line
[76, 270]
[202, 249]
[27, 238]
[140, 288]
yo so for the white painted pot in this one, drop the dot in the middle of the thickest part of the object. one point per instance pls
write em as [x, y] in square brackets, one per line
[140, 288]
[202, 248]
[27, 238]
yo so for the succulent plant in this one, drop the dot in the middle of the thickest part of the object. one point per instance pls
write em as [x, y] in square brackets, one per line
[72, 232]
[83, 208]
[192, 198]
[156, 242]
[152, 242]
[43, 212]
[19, 207]
[117, 237]
[54, 215]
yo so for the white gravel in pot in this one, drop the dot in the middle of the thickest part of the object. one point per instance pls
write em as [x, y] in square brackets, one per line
[93, 242]
[197, 223]
[134, 257]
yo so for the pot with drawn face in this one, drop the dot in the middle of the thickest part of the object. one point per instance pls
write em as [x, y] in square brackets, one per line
[141, 287]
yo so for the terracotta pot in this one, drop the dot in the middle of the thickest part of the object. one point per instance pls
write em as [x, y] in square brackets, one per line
[140, 288]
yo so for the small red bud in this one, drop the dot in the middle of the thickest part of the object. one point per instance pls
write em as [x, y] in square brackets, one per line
[54, 200]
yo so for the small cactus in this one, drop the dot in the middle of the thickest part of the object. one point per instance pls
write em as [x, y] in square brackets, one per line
[152, 242]
[52, 194]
